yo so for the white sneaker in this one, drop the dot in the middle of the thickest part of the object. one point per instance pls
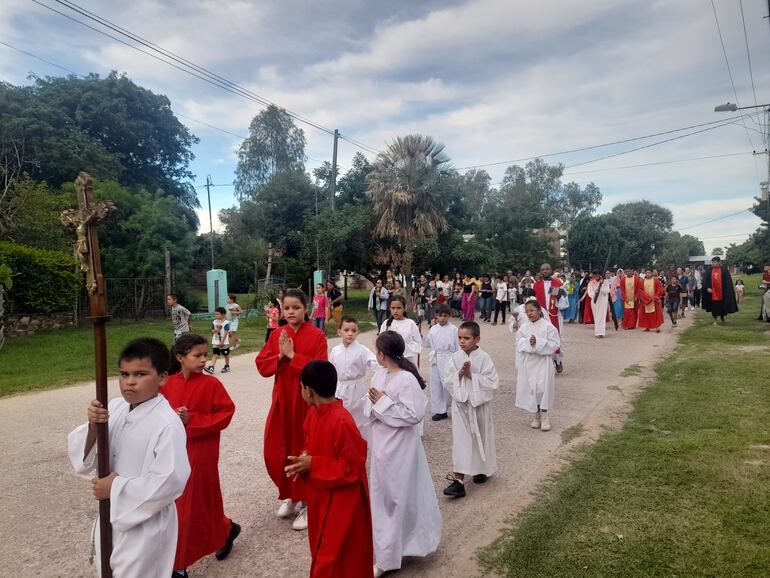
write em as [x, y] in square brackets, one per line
[299, 506]
[284, 510]
[535, 421]
[300, 523]
[545, 424]
[378, 572]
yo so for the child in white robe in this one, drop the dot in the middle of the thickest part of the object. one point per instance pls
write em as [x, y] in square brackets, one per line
[148, 462]
[536, 342]
[598, 292]
[405, 515]
[352, 361]
[442, 340]
[473, 379]
[405, 327]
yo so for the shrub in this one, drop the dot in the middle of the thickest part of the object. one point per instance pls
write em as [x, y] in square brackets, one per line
[44, 281]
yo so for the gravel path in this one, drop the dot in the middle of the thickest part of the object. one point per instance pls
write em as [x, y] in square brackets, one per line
[47, 512]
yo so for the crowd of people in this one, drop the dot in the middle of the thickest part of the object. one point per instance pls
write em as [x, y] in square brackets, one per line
[332, 408]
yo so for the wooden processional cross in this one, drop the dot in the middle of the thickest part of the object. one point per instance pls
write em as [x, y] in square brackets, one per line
[85, 220]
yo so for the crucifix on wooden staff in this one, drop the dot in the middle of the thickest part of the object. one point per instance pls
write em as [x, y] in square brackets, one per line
[85, 220]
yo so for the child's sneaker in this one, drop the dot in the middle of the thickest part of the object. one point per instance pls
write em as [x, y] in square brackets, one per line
[545, 423]
[209, 369]
[535, 424]
[300, 523]
[225, 369]
[456, 489]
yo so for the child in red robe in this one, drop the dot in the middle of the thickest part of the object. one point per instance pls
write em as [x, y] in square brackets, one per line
[289, 349]
[651, 291]
[333, 464]
[205, 408]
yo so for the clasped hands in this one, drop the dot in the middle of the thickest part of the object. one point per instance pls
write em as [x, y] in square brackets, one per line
[286, 345]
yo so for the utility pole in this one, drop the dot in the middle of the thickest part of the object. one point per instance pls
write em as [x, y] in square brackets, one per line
[211, 220]
[269, 265]
[333, 187]
[168, 272]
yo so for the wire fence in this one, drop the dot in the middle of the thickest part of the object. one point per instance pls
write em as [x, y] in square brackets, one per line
[132, 298]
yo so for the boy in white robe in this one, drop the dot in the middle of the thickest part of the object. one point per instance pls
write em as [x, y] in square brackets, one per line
[352, 361]
[598, 292]
[442, 340]
[536, 341]
[473, 381]
[148, 462]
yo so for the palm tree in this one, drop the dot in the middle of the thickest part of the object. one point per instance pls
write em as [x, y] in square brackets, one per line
[405, 190]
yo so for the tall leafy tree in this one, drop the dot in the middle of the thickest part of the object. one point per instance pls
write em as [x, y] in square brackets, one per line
[109, 126]
[275, 145]
[405, 188]
[676, 248]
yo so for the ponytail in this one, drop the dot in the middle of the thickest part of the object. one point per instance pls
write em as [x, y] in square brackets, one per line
[392, 346]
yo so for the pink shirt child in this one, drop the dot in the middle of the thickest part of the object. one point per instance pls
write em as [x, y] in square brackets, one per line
[272, 317]
[320, 303]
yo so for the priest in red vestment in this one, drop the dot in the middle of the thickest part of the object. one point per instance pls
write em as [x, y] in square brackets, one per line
[549, 291]
[651, 291]
[286, 352]
[630, 288]
[718, 291]
[205, 408]
[333, 463]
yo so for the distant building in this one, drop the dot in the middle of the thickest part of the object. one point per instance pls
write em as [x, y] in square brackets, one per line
[700, 259]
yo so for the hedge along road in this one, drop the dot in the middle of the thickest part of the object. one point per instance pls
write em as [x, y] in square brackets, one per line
[48, 511]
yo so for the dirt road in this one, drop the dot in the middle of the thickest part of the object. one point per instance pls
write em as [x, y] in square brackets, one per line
[47, 512]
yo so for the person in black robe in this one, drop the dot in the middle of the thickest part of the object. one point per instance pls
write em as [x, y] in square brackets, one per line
[718, 295]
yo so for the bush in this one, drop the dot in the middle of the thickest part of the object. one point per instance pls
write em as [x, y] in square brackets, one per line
[44, 281]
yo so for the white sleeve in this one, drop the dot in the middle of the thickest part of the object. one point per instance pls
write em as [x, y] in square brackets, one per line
[485, 383]
[76, 445]
[407, 411]
[414, 343]
[135, 500]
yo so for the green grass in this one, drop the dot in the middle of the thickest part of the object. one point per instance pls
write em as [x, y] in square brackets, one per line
[683, 489]
[65, 356]
[631, 370]
[571, 433]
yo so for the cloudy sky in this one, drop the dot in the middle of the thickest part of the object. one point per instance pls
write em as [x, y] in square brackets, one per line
[495, 80]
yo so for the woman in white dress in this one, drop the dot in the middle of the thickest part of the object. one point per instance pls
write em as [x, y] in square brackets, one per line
[405, 515]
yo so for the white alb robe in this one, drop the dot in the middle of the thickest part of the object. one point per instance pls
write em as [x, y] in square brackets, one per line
[407, 329]
[405, 515]
[514, 324]
[148, 448]
[536, 375]
[473, 431]
[442, 340]
[599, 306]
[352, 363]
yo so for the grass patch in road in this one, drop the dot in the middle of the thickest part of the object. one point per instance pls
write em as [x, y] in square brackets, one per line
[66, 356]
[571, 433]
[631, 370]
[681, 490]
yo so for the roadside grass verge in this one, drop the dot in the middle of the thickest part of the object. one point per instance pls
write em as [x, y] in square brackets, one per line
[683, 489]
[65, 356]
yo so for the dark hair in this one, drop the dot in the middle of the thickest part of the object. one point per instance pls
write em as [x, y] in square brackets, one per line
[320, 376]
[183, 346]
[221, 310]
[527, 292]
[172, 295]
[296, 294]
[441, 308]
[348, 319]
[392, 346]
[471, 326]
[274, 301]
[401, 300]
[147, 348]
[716, 258]
[535, 303]
[232, 296]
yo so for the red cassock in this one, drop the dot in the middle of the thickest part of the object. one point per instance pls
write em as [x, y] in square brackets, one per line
[338, 513]
[553, 310]
[651, 292]
[284, 435]
[630, 288]
[203, 526]
[588, 314]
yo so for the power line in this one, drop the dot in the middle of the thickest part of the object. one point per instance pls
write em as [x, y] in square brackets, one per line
[657, 163]
[41, 59]
[183, 64]
[714, 220]
[607, 144]
[729, 71]
[748, 54]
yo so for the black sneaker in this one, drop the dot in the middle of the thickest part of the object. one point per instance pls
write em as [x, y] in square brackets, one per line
[179, 573]
[226, 369]
[456, 489]
[235, 530]
[480, 478]
[209, 369]
[439, 416]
